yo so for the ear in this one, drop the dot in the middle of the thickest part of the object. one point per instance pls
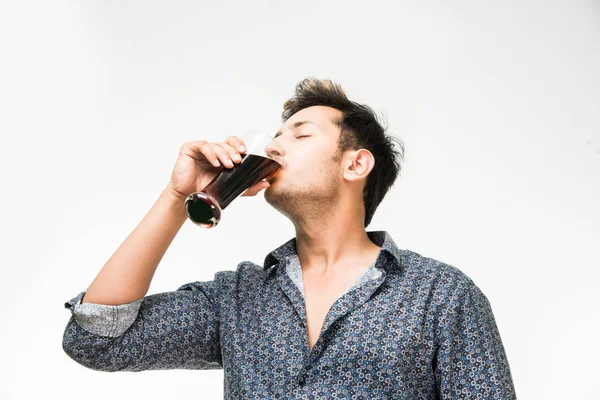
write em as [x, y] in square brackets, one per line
[358, 164]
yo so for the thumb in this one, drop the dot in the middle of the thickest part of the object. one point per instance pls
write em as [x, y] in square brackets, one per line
[255, 189]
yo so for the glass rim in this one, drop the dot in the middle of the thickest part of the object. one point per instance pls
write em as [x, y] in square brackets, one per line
[257, 131]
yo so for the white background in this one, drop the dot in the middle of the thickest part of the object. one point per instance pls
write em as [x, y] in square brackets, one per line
[496, 102]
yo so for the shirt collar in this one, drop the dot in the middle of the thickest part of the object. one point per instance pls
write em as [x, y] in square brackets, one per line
[389, 250]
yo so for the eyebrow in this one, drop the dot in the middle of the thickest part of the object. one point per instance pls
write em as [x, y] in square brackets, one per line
[294, 126]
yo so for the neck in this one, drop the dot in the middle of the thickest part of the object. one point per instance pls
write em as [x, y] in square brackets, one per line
[335, 241]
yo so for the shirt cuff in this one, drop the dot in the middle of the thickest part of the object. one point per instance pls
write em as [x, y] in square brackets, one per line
[101, 319]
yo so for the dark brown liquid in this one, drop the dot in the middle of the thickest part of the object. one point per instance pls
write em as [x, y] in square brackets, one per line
[232, 182]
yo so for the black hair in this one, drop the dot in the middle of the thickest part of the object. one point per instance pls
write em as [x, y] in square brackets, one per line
[360, 128]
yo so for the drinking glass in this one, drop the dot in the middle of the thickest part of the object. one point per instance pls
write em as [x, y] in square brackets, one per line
[262, 158]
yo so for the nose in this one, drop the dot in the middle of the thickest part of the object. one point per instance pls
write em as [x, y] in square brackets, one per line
[275, 151]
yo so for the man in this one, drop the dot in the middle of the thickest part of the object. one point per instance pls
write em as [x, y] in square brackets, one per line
[336, 312]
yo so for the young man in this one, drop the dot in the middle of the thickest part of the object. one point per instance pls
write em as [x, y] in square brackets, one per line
[336, 312]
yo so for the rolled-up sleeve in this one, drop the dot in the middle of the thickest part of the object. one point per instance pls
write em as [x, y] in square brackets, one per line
[470, 360]
[103, 320]
[171, 330]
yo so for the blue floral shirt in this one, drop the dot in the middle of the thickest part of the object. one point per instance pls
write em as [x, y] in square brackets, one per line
[410, 327]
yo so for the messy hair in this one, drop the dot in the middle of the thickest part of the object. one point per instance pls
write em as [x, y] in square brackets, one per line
[360, 128]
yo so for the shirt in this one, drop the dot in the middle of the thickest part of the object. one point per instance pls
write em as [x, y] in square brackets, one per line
[410, 327]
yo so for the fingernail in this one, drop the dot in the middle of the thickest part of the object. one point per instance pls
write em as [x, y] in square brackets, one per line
[242, 148]
[217, 163]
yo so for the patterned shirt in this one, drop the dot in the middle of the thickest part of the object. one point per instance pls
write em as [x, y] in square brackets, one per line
[410, 327]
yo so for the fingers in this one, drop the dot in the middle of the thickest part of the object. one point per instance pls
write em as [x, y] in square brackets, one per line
[227, 153]
[201, 150]
[223, 155]
[231, 154]
[236, 142]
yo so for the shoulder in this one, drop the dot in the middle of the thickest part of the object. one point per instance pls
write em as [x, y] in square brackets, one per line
[443, 282]
[246, 272]
[245, 279]
[247, 275]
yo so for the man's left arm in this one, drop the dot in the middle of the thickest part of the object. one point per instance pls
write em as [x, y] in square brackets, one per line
[470, 360]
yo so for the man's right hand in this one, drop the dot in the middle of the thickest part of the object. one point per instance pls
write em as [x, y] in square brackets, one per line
[199, 162]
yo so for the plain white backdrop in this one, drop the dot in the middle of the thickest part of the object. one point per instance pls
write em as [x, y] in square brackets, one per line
[496, 102]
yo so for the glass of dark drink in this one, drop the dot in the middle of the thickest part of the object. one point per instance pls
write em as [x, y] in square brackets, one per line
[262, 158]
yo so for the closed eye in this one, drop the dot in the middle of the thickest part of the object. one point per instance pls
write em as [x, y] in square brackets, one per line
[302, 136]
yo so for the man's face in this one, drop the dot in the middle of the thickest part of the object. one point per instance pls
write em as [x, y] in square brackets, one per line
[310, 178]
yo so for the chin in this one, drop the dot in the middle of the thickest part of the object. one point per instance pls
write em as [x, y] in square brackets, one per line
[271, 194]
